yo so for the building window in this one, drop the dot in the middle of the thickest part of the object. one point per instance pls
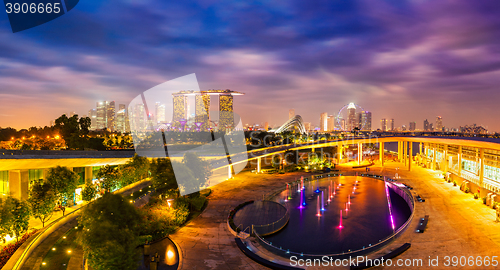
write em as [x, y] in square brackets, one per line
[492, 173]
[470, 166]
[4, 182]
[35, 175]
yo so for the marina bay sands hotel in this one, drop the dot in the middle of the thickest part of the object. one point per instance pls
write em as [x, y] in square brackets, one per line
[202, 100]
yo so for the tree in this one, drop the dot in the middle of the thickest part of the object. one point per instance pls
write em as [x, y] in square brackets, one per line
[185, 179]
[21, 215]
[85, 123]
[110, 176]
[64, 182]
[89, 192]
[136, 169]
[109, 233]
[42, 201]
[6, 218]
[162, 175]
[200, 168]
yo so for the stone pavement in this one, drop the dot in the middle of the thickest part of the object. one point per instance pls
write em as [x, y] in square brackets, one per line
[458, 224]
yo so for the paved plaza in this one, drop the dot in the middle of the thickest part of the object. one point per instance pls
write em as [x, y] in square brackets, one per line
[458, 224]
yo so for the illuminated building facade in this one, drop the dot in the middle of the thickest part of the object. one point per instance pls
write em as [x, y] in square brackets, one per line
[110, 115]
[323, 122]
[351, 117]
[159, 113]
[439, 123]
[383, 124]
[121, 118]
[105, 115]
[365, 120]
[202, 111]
[202, 108]
[413, 126]
[180, 108]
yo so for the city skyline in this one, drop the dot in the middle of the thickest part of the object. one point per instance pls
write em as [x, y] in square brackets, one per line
[416, 67]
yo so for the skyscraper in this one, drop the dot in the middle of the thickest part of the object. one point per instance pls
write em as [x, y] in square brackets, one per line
[121, 118]
[110, 115]
[351, 117]
[390, 125]
[383, 124]
[331, 123]
[180, 108]
[105, 115]
[426, 125]
[93, 118]
[323, 121]
[439, 123]
[159, 113]
[291, 113]
[365, 120]
[202, 111]
[413, 126]
[100, 115]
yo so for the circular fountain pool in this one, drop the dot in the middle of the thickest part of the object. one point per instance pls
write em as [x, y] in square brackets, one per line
[338, 215]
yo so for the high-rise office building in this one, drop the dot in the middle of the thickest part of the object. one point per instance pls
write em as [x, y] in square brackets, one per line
[383, 124]
[426, 125]
[323, 121]
[100, 115]
[331, 123]
[202, 106]
[121, 116]
[180, 108]
[390, 125]
[159, 113]
[93, 118]
[291, 113]
[365, 120]
[439, 123]
[351, 117]
[413, 126]
[110, 116]
[202, 111]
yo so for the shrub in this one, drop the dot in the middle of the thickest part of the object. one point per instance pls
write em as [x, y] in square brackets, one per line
[476, 196]
[455, 183]
[11, 248]
[143, 239]
[181, 202]
[467, 190]
[484, 200]
[198, 202]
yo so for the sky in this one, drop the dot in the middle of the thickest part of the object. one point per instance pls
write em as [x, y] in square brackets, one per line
[407, 60]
